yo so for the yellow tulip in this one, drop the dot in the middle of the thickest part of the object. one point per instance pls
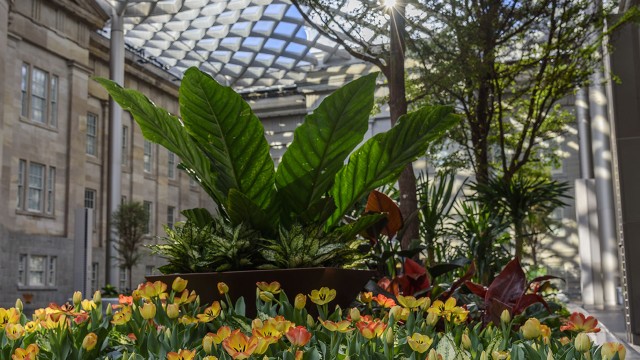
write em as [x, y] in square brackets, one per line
[222, 333]
[411, 302]
[609, 349]
[148, 311]
[14, 331]
[19, 305]
[89, 342]
[322, 296]
[173, 311]
[531, 329]
[272, 287]
[466, 341]
[343, 326]
[300, 301]
[419, 343]
[77, 298]
[210, 313]
[354, 313]
[179, 284]
[433, 355]
[500, 355]
[88, 305]
[97, 297]
[505, 317]
[207, 342]
[239, 346]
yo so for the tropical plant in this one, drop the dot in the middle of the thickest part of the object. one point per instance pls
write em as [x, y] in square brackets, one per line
[521, 198]
[482, 233]
[130, 221]
[221, 144]
[204, 243]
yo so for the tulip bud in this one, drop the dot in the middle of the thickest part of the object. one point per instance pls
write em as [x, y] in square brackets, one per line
[19, 305]
[582, 343]
[300, 302]
[395, 311]
[389, 336]
[223, 288]
[355, 314]
[433, 355]
[179, 284]
[173, 311]
[550, 355]
[505, 317]
[483, 356]
[108, 310]
[148, 311]
[310, 321]
[466, 341]
[426, 304]
[432, 319]
[77, 298]
[89, 342]
[97, 297]
[531, 328]
[500, 355]
[167, 333]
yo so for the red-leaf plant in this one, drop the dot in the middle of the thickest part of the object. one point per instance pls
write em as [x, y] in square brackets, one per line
[509, 290]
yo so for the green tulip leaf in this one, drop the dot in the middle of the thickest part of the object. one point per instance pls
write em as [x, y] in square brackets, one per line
[322, 143]
[382, 158]
[230, 135]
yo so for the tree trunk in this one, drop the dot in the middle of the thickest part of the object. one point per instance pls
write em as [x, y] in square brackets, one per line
[398, 107]
[519, 234]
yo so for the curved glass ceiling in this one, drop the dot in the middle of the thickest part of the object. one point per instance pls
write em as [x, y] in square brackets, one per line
[242, 43]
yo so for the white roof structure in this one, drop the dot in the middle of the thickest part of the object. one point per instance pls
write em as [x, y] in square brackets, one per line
[246, 44]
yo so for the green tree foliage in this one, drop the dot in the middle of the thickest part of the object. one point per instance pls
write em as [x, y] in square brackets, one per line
[130, 221]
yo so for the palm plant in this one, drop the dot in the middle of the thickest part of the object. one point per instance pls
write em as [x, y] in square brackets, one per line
[221, 144]
[521, 198]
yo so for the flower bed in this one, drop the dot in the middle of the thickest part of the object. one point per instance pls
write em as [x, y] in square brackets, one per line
[158, 322]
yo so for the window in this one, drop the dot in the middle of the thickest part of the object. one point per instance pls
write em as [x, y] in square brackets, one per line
[92, 134]
[123, 199]
[123, 284]
[95, 272]
[39, 95]
[171, 213]
[148, 156]
[125, 145]
[171, 164]
[36, 187]
[148, 205]
[37, 270]
[89, 198]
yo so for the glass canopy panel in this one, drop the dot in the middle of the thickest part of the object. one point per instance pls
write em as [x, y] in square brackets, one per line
[245, 43]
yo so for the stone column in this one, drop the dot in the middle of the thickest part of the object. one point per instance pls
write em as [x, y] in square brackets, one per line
[4, 30]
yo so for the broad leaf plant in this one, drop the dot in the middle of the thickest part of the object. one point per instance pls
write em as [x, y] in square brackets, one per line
[298, 208]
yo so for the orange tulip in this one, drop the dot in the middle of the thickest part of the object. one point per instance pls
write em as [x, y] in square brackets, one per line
[609, 349]
[14, 331]
[149, 289]
[30, 353]
[371, 329]
[384, 301]
[298, 336]
[578, 322]
[222, 333]
[182, 354]
[239, 346]
[267, 331]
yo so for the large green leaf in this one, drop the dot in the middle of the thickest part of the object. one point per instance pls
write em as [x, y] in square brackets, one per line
[165, 129]
[242, 210]
[231, 136]
[322, 143]
[381, 159]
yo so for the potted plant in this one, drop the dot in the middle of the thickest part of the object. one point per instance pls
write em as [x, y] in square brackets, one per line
[292, 217]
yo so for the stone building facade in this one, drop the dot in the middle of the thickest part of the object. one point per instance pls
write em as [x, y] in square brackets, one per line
[54, 138]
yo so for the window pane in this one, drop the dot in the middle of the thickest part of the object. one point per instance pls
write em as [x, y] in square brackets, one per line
[147, 156]
[39, 96]
[22, 267]
[124, 276]
[51, 183]
[92, 134]
[95, 271]
[53, 118]
[171, 163]
[89, 198]
[36, 178]
[51, 276]
[148, 209]
[22, 167]
[170, 216]
[24, 87]
[36, 270]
